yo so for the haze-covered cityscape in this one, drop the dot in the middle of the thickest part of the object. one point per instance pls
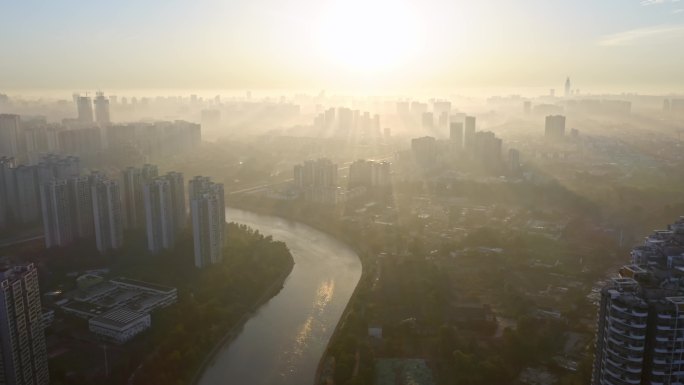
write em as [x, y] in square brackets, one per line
[342, 193]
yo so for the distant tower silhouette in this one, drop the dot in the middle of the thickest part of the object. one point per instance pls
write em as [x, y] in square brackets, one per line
[567, 87]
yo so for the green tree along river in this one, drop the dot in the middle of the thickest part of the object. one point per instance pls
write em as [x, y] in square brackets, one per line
[284, 340]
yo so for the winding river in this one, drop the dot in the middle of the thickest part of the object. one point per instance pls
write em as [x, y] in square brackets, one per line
[283, 341]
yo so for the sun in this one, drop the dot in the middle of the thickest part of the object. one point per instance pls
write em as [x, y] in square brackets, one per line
[369, 36]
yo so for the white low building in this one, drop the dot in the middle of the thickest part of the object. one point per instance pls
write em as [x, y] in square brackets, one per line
[119, 325]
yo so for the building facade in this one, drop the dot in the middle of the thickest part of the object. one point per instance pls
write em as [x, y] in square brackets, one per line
[640, 329]
[57, 221]
[107, 215]
[208, 213]
[22, 338]
[160, 228]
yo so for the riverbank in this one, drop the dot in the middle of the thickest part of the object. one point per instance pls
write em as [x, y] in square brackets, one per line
[329, 227]
[233, 332]
[214, 303]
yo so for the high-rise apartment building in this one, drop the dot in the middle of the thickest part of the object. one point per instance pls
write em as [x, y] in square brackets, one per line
[22, 337]
[57, 221]
[456, 134]
[9, 135]
[486, 149]
[134, 180]
[177, 185]
[369, 173]
[640, 333]
[316, 173]
[81, 206]
[107, 214]
[7, 190]
[161, 232]
[27, 199]
[84, 106]
[554, 127]
[469, 132]
[101, 109]
[53, 166]
[424, 151]
[208, 213]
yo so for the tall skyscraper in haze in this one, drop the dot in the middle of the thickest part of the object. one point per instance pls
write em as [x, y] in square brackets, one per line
[7, 191]
[554, 126]
[180, 216]
[26, 193]
[456, 134]
[101, 109]
[424, 151]
[134, 180]
[84, 106]
[469, 132]
[57, 221]
[9, 135]
[22, 336]
[81, 206]
[316, 173]
[161, 232]
[107, 215]
[368, 173]
[567, 87]
[208, 213]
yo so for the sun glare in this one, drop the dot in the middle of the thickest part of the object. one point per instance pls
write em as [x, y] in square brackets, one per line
[369, 36]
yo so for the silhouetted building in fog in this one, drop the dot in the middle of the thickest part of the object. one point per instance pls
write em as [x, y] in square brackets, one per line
[57, 221]
[317, 180]
[161, 232]
[424, 151]
[9, 135]
[456, 134]
[7, 191]
[101, 109]
[84, 108]
[134, 181]
[180, 215]
[486, 149]
[81, 206]
[554, 127]
[25, 185]
[107, 215]
[318, 173]
[368, 173]
[469, 132]
[567, 87]
[427, 120]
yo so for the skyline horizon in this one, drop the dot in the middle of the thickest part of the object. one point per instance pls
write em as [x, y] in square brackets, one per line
[264, 92]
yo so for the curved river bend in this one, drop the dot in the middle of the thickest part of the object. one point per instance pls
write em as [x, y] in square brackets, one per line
[283, 341]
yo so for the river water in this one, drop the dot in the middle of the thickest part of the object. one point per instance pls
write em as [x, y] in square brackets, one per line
[283, 341]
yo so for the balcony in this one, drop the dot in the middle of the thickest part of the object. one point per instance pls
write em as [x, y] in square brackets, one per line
[627, 368]
[628, 322]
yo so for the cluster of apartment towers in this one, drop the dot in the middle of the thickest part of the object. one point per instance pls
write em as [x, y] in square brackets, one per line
[76, 206]
[640, 333]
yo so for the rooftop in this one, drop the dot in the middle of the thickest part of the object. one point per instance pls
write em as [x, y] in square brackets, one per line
[143, 285]
[119, 318]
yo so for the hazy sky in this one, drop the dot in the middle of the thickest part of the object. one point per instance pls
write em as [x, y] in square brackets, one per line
[393, 44]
